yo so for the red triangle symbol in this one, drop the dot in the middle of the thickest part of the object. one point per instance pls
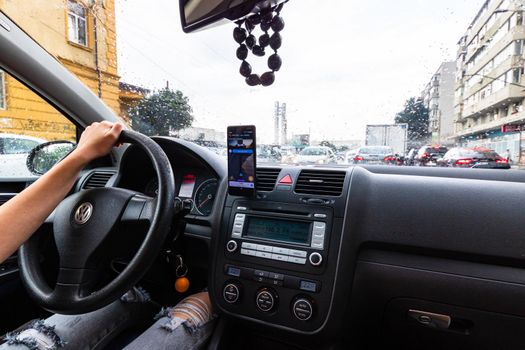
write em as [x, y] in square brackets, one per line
[287, 180]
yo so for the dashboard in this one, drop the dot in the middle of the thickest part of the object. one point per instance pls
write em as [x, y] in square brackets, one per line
[411, 255]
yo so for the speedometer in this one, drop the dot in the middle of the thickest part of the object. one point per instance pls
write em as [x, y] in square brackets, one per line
[205, 196]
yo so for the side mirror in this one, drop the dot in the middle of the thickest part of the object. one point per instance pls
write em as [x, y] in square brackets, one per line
[44, 156]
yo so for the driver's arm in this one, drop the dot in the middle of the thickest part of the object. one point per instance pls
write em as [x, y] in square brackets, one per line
[25, 213]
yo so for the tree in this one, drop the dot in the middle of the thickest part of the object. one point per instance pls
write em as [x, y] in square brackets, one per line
[162, 112]
[415, 114]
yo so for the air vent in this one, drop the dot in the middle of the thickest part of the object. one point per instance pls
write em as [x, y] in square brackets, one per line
[97, 179]
[320, 182]
[266, 178]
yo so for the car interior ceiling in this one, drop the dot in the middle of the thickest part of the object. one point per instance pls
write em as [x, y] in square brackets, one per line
[364, 256]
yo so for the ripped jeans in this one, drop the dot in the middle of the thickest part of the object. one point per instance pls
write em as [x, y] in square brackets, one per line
[95, 330]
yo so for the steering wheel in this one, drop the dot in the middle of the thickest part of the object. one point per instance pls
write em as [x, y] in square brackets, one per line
[81, 223]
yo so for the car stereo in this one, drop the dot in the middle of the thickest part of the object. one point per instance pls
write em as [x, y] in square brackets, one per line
[293, 237]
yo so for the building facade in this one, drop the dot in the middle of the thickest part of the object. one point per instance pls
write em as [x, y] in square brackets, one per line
[490, 88]
[81, 35]
[438, 97]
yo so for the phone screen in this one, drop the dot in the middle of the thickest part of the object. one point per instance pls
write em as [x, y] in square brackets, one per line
[241, 160]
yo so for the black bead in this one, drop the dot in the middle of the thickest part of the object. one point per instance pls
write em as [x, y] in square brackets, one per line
[258, 51]
[255, 19]
[246, 69]
[277, 24]
[265, 26]
[242, 52]
[249, 26]
[267, 79]
[274, 62]
[253, 80]
[275, 41]
[239, 34]
[264, 40]
[267, 17]
[251, 41]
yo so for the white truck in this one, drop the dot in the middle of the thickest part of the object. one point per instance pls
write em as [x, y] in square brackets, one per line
[393, 135]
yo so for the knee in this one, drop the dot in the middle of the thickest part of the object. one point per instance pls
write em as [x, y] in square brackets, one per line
[38, 336]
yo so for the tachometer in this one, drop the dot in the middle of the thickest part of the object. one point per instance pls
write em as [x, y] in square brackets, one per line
[205, 196]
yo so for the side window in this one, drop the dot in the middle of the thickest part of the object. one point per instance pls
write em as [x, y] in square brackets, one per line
[77, 23]
[25, 122]
[2, 90]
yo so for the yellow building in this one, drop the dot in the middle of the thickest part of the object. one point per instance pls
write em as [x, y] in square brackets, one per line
[81, 34]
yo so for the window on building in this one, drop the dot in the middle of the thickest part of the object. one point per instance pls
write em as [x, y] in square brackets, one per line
[77, 23]
[2, 90]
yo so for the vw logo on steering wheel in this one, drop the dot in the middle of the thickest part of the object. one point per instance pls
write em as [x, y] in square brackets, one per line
[83, 213]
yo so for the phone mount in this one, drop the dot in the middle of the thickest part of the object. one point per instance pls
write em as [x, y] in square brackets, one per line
[265, 19]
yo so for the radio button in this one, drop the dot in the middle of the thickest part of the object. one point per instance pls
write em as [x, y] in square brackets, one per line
[317, 243]
[249, 245]
[320, 225]
[233, 271]
[231, 293]
[299, 253]
[309, 286]
[296, 260]
[240, 217]
[248, 252]
[264, 255]
[317, 215]
[231, 246]
[278, 250]
[264, 248]
[279, 257]
[242, 208]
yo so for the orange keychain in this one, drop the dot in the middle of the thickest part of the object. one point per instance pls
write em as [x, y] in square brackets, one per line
[182, 283]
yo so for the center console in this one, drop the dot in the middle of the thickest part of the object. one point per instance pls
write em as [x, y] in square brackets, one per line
[276, 258]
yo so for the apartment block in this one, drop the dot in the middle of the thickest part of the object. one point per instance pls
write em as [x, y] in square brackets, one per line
[490, 88]
[438, 97]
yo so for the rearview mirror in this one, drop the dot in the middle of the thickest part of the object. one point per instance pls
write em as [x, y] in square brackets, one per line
[196, 14]
[44, 156]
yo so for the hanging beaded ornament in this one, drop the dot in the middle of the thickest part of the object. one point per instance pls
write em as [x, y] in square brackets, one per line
[266, 19]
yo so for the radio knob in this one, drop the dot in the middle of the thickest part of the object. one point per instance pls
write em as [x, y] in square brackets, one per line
[302, 309]
[231, 293]
[315, 259]
[266, 300]
[231, 246]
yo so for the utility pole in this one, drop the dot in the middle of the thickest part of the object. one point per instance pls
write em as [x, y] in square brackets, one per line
[284, 125]
[280, 124]
[276, 123]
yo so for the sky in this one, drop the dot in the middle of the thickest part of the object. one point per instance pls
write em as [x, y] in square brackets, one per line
[346, 63]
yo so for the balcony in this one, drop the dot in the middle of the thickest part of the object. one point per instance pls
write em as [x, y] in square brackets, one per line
[516, 33]
[495, 124]
[505, 96]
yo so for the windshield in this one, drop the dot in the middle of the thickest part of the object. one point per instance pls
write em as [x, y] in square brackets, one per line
[382, 77]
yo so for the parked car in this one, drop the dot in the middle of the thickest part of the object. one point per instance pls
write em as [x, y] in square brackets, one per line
[316, 155]
[288, 154]
[474, 158]
[375, 155]
[13, 154]
[428, 155]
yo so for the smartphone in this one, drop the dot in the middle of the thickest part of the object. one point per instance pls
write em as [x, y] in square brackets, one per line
[241, 160]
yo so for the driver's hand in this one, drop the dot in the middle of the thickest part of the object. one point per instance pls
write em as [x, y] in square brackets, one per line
[98, 139]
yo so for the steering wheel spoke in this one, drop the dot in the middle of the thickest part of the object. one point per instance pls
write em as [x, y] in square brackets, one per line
[139, 208]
